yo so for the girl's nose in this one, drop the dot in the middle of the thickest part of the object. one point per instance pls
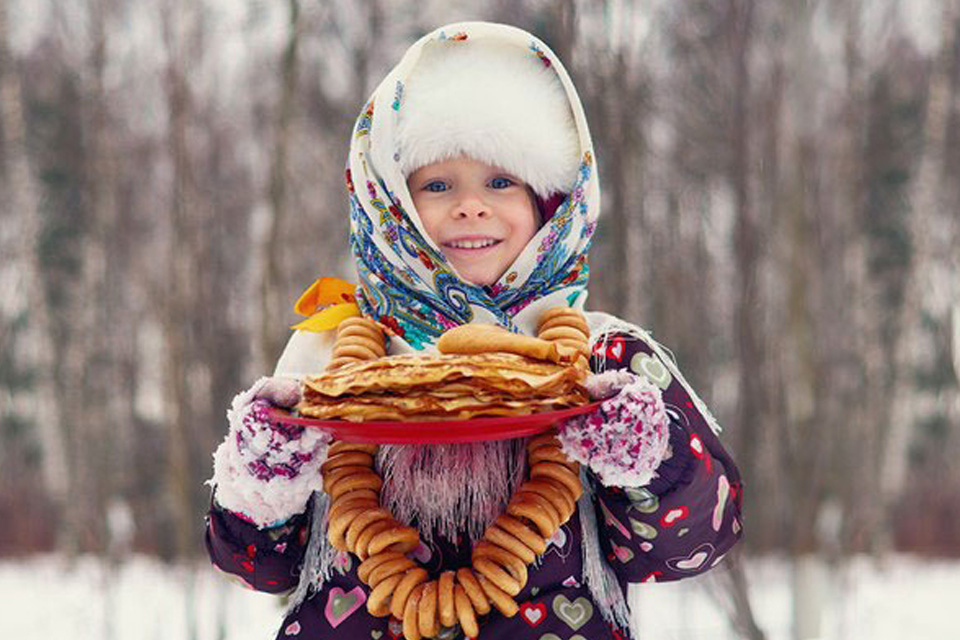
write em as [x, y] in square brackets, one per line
[471, 207]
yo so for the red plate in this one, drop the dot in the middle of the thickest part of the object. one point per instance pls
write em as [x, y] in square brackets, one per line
[437, 431]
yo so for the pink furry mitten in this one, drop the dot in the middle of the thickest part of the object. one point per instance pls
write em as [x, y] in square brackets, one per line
[625, 440]
[263, 471]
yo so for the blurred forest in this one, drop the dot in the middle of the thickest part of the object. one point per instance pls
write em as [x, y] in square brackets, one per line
[781, 208]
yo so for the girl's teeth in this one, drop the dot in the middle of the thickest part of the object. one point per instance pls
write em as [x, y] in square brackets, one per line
[472, 244]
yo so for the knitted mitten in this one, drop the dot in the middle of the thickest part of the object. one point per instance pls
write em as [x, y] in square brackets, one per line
[627, 437]
[264, 471]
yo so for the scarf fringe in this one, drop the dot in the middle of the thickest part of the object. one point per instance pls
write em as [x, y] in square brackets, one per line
[318, 561]
[597, 574]
[456, 504]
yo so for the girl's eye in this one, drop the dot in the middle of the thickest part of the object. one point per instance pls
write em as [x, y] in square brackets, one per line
[501, 183]
[437, 186]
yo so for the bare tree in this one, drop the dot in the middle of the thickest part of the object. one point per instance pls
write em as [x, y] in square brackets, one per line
[924, 387]
[928, 230]
[752, 410]
[22, 197]
[614, 85]
[271, 302]
[87, 356]
[179, 299]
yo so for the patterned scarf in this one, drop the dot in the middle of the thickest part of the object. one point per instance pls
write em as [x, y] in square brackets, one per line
[405, 281]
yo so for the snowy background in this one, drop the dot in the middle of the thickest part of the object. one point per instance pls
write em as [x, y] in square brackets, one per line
[780, 209]
[47, 598]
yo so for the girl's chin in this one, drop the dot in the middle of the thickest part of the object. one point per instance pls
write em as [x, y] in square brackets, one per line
[480, 282]
[480, 278]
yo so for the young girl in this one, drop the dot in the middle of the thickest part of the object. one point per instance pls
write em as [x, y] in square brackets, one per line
[474, 196]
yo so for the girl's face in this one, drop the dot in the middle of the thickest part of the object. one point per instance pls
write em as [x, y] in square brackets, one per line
[480, 216]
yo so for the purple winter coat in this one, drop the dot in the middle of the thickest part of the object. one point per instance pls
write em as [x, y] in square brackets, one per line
[679, 525]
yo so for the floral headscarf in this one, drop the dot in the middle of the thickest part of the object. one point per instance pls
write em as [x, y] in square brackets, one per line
[406, 283]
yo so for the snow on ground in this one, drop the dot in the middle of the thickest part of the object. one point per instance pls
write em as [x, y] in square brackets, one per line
[46, 598]
[899, 598]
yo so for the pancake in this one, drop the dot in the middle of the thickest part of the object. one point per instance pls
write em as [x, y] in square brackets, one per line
[482, 370]
[497, 371]
[442, 387]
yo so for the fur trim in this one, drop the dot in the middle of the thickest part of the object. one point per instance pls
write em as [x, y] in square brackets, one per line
[626, 439]
[244, 464]
[264, 503]
[496, 103]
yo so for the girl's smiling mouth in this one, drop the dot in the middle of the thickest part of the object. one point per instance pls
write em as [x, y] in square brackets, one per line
[471, 243]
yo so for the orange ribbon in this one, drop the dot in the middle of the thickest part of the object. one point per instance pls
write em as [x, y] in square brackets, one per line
[326, 303]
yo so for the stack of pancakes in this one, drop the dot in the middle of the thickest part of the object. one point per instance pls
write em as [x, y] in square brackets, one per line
[481, 371]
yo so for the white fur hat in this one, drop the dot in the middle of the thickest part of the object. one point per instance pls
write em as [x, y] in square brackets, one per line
[494, 102]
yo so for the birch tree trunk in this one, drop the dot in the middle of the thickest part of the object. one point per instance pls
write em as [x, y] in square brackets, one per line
[272, 303]
[747, 244]
[179, 296]
[88, 355]
[23, 199]
[747, 238]
[865, 399]
[817, 330]
[924, 290]
[362, 58]
[109, 335]
[613, 89]
[620, 115]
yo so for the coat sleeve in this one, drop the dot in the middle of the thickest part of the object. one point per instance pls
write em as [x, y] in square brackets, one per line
[265, 559]
[684, 521]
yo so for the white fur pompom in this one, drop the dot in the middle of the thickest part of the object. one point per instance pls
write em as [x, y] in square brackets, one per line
[499, 104]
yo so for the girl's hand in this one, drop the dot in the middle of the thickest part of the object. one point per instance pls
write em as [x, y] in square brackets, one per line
[626, 438]
[263, 470]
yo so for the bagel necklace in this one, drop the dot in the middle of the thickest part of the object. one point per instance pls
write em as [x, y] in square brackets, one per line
[358, 523]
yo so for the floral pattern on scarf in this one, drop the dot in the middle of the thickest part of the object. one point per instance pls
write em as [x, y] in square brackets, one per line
[406, 283]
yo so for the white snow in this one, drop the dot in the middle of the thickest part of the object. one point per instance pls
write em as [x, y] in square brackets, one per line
[45, 598]
[899, 598]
